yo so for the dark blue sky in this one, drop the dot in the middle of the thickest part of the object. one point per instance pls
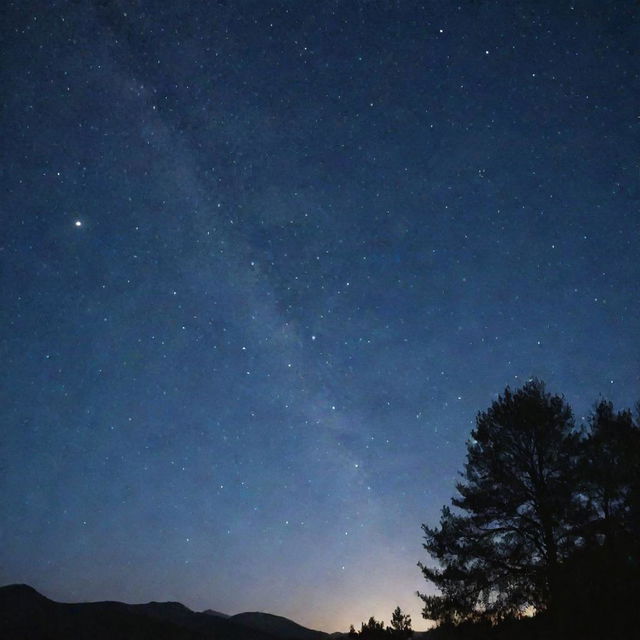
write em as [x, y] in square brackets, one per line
[263, 262]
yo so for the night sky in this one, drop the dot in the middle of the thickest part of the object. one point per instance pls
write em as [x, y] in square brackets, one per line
[263, 262]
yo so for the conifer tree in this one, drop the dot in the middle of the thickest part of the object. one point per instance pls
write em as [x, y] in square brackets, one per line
[372, 630]
[515, 511]
[601, 579]
[610, 466]
[400, 628]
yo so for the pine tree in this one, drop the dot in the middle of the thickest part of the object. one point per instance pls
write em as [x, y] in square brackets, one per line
[400, 628]
[373, 630]
[601, 579]
[610, 465]
[514, 522]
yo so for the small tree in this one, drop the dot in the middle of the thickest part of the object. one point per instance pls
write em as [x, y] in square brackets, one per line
[499, 553]
[400, 628]
[373, 630]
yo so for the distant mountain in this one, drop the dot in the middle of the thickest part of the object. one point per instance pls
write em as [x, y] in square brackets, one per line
[26, 614]
[277, 626]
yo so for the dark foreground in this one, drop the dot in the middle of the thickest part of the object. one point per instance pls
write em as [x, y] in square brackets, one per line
[25, 614]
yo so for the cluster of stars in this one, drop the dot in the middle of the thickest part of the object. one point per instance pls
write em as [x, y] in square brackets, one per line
[297, 277]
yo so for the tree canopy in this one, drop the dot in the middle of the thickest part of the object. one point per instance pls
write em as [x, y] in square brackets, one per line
[400, 628]
[538, 504]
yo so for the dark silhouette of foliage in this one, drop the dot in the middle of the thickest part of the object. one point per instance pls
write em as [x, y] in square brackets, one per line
[601, 579]
[373, 630]
[610, 465]
[546, 521]
[500, 551]
[400, 628]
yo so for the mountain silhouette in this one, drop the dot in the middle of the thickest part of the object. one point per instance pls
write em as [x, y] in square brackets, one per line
[277, 626]
[27, 614]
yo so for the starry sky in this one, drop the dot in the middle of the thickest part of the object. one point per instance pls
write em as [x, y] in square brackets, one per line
[262, 263]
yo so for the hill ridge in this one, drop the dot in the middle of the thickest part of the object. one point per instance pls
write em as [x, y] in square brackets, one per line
[25, 612]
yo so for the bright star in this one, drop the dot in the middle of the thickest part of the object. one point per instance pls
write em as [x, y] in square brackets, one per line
[78, 223]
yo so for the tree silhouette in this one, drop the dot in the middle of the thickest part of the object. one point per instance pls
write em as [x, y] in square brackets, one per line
[400, 628]
[610, 465]
[372, 630]
[516, 509]
[602, 577]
